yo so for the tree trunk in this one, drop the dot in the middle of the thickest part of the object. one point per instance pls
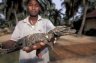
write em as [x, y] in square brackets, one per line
[84, 18]
[5, 8]
[15, 16]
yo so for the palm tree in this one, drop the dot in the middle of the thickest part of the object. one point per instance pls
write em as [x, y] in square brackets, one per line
[85, 3]
[12, 9]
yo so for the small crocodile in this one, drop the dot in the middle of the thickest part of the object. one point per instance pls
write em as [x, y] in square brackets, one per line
[47, 38]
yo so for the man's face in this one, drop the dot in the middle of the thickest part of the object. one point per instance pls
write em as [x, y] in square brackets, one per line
[33, 8]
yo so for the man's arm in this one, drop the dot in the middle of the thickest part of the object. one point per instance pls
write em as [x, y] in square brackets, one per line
[8, 44]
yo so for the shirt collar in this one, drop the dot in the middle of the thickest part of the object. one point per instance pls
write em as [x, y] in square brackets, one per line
[26, 20]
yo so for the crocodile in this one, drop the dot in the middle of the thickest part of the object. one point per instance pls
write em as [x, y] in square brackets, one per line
[47, 38]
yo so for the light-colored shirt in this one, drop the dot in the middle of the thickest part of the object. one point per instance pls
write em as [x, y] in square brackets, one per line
[24, 28]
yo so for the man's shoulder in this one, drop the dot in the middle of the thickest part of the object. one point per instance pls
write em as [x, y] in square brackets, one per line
[45, 19]
[20, 22]
[23, 20]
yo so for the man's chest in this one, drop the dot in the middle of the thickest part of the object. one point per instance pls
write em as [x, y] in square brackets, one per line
[29, 29]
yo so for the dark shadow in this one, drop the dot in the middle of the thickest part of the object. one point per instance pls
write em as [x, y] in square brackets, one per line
[91, 32]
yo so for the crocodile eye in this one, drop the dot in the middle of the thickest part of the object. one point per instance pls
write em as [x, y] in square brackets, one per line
[46, 36]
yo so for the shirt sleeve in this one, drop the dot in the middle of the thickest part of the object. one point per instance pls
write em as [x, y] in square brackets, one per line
[49, 26]
[16, 33]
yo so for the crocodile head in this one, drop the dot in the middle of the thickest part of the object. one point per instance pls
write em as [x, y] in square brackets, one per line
[61, 30]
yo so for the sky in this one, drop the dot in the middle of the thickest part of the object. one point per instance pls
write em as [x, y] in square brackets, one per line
[0, 1]
[58, 5]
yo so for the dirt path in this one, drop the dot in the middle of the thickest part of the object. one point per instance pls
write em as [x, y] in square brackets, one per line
[76, 53]
[5, 37]
[71, 49]
[73, 39]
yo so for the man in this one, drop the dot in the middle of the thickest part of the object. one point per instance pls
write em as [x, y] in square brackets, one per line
[34, 23]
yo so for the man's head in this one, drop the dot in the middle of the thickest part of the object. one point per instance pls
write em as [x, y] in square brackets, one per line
[33, 7]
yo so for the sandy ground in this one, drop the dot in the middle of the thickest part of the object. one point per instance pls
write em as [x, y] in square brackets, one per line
[91, 59]
[73, 49]
[75, 53]
[5, 37]
[73, 39]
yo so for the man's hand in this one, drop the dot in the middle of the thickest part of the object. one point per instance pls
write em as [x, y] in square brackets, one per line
[34, 47]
